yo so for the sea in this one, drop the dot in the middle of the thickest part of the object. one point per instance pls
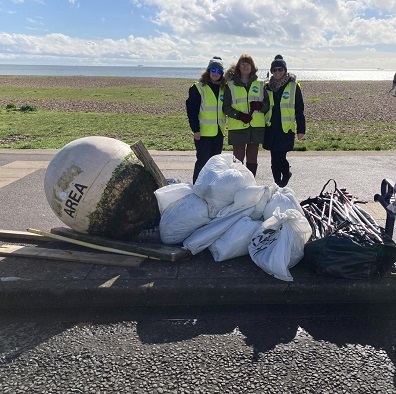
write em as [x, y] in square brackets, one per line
[188, 72]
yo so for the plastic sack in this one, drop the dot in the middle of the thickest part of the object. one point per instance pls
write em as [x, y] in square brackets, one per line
[341, 257]
[166, 195]
[182, 218]
[283, 198]
[203, 237]
[279, 244]
[235, 241]
[243, 198]
[268, 191]
[219, 180]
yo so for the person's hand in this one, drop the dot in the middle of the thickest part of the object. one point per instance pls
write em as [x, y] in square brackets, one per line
[255, 105]
[245, 118]
[300, 136]
[197, 135]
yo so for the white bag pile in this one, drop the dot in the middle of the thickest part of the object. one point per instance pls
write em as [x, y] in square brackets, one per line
[226, 212]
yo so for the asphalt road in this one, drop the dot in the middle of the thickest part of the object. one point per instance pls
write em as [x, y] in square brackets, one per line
[280, 349]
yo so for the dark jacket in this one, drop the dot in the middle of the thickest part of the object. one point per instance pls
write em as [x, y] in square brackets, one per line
[275, 138]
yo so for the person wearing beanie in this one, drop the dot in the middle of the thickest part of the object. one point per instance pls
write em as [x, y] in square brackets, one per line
[245, 103]
[284, 120]
[204, 107]
[215, 62]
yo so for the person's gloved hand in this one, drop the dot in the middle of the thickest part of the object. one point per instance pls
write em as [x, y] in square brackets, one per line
[245, 118]
[256, 105]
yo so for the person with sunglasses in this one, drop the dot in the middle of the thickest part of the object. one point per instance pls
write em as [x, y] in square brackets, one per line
[284, 120]
[205, 114]
[245, 102]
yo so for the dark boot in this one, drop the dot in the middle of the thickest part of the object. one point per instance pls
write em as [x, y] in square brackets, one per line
[252, 167]
[286, 175]
[276, 173]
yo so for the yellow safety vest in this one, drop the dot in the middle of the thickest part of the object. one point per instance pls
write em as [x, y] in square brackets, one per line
[287, 108]
[211, 113]
[241, 101]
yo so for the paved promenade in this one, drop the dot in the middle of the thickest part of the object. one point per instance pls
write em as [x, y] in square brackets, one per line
[27, 282]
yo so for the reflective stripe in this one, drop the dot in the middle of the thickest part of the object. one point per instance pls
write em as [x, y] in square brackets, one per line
[211, 115]
[232, 90]
[240, 102]
[260, 96]
[211, 121]
[287, 108]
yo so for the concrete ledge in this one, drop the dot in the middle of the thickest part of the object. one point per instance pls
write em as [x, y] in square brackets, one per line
[223, 287]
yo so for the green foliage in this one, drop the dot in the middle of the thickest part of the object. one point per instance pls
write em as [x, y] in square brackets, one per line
[27, 108]
[23, 108]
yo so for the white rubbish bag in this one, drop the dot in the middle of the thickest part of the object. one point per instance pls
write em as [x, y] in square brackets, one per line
[183, 217]
[204, 237]
[219, 180]
[283, 198]
[168, 194]
[279, 243]
[268, 191]
[243, 198]
[235, 241]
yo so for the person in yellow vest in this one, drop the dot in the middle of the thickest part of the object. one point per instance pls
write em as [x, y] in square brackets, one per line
[205, 114]
[245, 102]
[284, 119]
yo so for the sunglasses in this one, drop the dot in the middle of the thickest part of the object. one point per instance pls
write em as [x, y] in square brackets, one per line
[216, 70]
[277, 69]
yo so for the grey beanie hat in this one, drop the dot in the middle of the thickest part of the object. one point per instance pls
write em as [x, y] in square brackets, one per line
[216, 62]
[278, 62]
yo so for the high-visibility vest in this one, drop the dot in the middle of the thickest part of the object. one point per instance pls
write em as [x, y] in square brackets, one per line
[241, 101]
[211, 115]
[287, 108]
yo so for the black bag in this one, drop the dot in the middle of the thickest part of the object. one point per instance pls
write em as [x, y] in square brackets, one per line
[348, 248]
[342, 257]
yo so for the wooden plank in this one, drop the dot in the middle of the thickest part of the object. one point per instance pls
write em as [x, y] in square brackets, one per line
[88, 244]
[69, 255]
[22, 236]
[149, 164]
[163, 252]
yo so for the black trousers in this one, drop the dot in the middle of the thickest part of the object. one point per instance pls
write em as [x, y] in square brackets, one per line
[206, 147]
[279, 165]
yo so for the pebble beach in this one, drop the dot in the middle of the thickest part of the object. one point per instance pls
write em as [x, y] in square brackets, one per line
[332, 101]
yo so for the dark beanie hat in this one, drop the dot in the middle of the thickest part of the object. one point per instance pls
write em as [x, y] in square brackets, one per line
[278, 62]
[216, 62]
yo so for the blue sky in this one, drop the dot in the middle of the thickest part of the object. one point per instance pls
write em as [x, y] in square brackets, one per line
[338, 34]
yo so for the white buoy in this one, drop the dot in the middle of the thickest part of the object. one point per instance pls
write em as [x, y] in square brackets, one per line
[96, 185]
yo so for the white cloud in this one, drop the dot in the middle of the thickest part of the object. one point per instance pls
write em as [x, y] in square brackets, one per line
[322, 33]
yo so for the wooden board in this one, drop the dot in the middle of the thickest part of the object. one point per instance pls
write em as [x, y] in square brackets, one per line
[163, 252]
[69, 255]
[149, 164]
[22, 236]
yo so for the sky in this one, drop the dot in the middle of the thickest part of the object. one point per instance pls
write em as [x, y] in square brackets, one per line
[334, 34]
